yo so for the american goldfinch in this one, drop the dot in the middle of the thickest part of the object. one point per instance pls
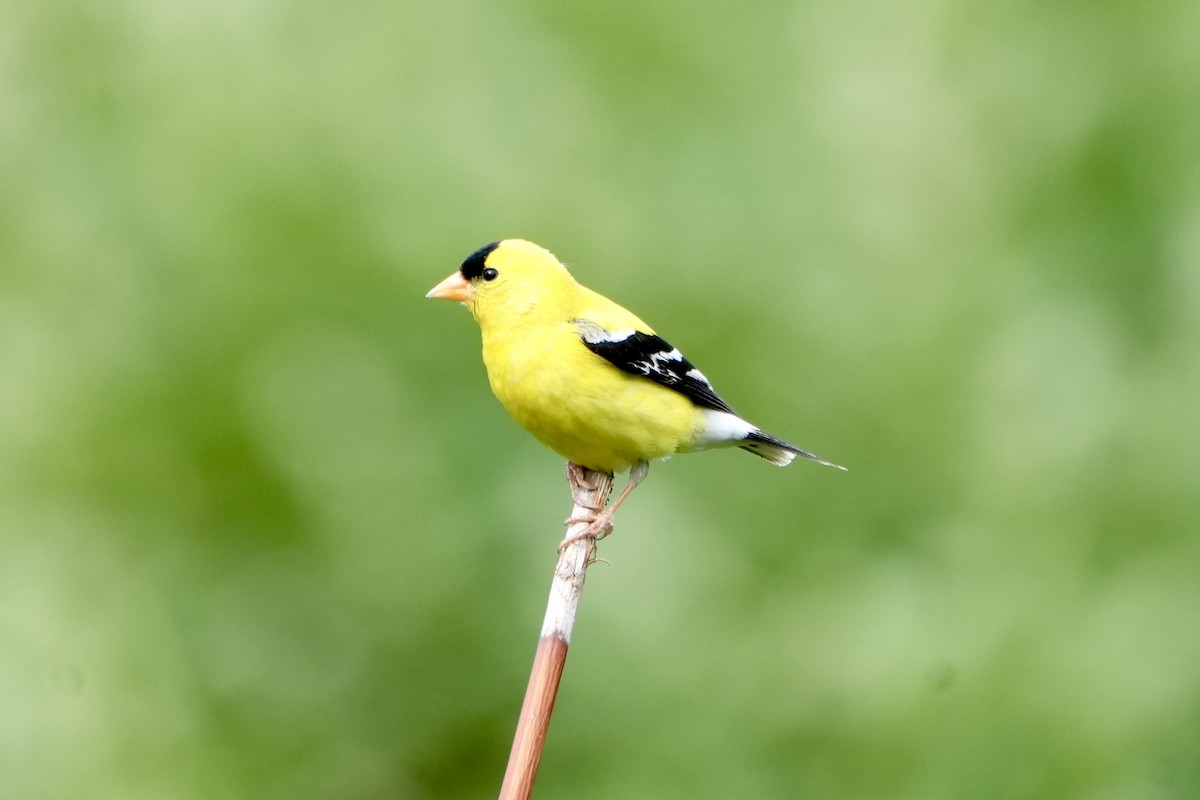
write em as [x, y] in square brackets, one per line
[588, 378]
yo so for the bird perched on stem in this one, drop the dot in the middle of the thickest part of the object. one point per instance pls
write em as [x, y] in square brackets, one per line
[588, 378]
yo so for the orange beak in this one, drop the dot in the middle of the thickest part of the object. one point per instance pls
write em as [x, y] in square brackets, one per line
[456, 287]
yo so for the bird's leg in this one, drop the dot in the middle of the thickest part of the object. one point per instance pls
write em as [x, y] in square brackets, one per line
[600, 523]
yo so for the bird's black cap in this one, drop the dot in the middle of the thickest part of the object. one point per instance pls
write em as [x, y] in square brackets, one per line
[473, 267]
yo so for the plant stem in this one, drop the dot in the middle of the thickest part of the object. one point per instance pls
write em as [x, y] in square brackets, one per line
[589, 491]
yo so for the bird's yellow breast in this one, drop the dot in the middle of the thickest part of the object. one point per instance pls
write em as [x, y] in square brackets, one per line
[580, 405]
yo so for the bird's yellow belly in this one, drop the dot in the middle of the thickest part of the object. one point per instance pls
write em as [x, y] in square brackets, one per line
[606, 421]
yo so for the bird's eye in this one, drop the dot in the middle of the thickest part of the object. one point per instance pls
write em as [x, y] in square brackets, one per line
[490, 274]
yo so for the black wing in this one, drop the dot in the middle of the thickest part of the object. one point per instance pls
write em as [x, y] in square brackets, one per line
[650, 356]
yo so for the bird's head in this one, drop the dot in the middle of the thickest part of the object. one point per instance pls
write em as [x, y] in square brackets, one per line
[511, 277]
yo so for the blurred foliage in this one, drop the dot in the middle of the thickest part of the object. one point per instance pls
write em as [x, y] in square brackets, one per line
[266, 534]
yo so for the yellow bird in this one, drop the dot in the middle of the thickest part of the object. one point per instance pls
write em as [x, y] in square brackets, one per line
[589, 379]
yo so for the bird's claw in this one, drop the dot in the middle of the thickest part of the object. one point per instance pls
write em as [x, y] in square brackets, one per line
[589, 519]
[598, 526]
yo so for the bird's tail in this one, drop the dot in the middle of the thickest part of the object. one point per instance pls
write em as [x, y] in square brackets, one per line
[779, 452]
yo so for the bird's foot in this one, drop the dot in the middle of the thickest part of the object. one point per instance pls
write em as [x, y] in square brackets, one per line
[599, 525]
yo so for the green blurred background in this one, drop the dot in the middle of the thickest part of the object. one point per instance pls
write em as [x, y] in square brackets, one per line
[266, 534]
